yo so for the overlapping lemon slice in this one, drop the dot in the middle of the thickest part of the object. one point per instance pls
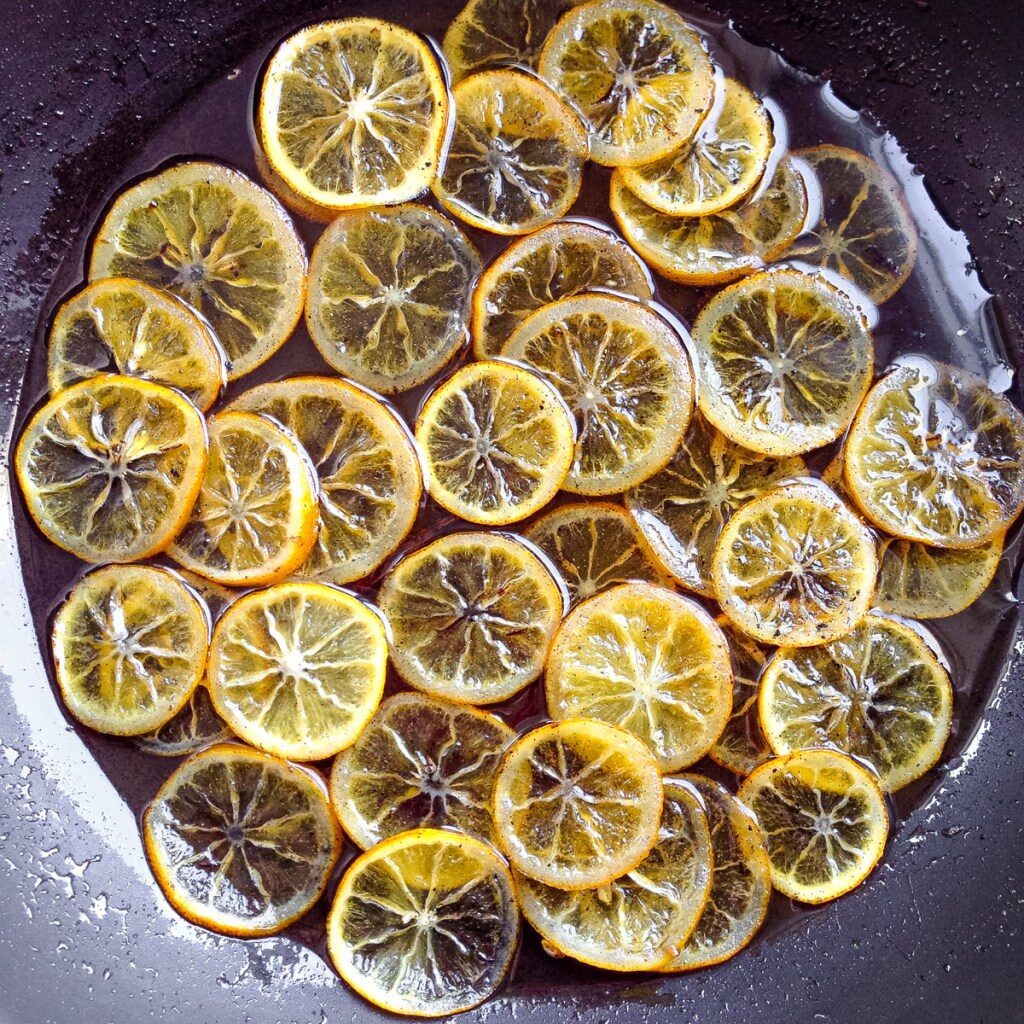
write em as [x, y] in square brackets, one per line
[220, 242]
[555, 262]
[497, 442]
[622, 370]
[370, 483]
[824, 820]
[109, 467]
[129, 648]
[195, 726]
[126, 327]
[639, 73]
[240, 842]
[472, 616]
[389, 295]
[297, 669]
[352, 113]
[637, 921]
[649, 660]
[425, 924]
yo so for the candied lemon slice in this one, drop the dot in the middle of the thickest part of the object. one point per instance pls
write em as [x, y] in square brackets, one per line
[877, 693]
[517, 154]
[783, 361]
[366, 464]
[110, 467]
[795, 566]
[577, 803]
[297, 669]
[425, 923]
[639, 73]
[683, 507]
[126, 327]
[555, 262]
[866, 231]
[352, 113]
[254, 521]
[824, 820]
[717, 167]
[741, 885]
[622, 370]
[195, 726]
[129, 648]
[419, 762]
[497, 443]
[220, 242]
[389, 295]
[594, 545]
[472, 616]
[649, 660]
[240, 842]
[637, 921]
[937, 457]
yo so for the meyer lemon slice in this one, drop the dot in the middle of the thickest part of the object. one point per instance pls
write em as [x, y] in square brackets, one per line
[195, 726]
[220, 242]
[110, 467]
[623, 372]
[240, 842]
[577, 803]
[824, 820]
[425, 924]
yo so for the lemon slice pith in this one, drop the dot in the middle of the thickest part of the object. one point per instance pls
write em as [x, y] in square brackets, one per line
[195, 726]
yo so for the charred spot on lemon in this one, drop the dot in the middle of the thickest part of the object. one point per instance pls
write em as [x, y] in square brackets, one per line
[648, 660]
[577, 803]
[129, 648]
[824, 820]
[297, 669]
[352, 113]
[109, 467]
[220, 242]
[497, 442]
[472, 616]
[389, 295]
[425, 923]
[635, 922]
[195, 726]
[241, 843]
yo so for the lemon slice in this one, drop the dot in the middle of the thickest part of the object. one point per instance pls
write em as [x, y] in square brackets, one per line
[129, 648]
[683, 507]
[741, 885]
[866, 231]
[389, 295]
[639, 73]
[419, 762]
[937, 457]
[425, 924]
[297, 669]
[636, 922]
[110, 467]
[366, 464]
[126, 327]
[517, 154]
[472, 616]
[220, 242]
[717, 167]
[824, 820]
[877, 693]
[594, 545]
[195, 726]
[795, 566]
[649, 660]
[577, 803]
[255, 519]
[622, 370]
[497, 442]
[555, 262]
[240, 842]
[352, 113]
